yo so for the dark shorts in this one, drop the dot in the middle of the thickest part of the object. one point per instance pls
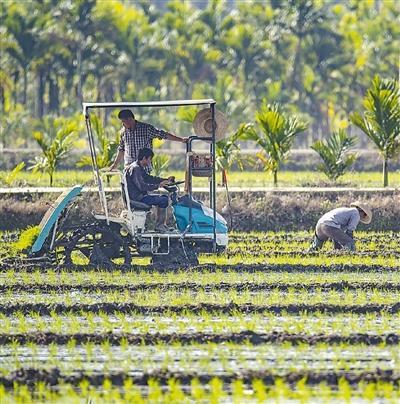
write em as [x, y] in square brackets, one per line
[325, 232]
[156, 200]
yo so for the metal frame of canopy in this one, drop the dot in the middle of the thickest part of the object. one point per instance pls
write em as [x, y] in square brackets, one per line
[158, 104]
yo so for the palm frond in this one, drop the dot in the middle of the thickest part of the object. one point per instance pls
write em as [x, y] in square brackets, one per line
[160, 163]
[334, 154]
[381, 118]
[278, 131]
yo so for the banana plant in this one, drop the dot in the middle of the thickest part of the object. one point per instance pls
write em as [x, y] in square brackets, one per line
[381, 119]
[10, 178]
[187, 114]
[160, 163]
[228, 152]
[334, 154]
[56, 140]
[278, 131]
[106, 147]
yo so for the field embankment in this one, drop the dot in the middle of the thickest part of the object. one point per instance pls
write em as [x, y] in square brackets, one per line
[258, 210]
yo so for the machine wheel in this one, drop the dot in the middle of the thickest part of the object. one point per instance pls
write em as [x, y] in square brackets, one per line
[181, 255]
[96, 244]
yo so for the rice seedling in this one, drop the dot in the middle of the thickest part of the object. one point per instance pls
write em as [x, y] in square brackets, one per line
[261, 322]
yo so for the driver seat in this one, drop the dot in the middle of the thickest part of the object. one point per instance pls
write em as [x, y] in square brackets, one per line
[137, 219]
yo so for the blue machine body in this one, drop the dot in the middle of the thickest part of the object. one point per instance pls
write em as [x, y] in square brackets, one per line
[52, 215]
[202, 218]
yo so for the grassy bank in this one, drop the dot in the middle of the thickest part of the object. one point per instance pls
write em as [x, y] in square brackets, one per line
[236, 178]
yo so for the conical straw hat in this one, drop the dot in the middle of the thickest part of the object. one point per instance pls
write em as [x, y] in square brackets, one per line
[202, 124]
[366, 209]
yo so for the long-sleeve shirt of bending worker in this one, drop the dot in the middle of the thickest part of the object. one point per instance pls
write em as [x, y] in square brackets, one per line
[341, 218]
[139, 182]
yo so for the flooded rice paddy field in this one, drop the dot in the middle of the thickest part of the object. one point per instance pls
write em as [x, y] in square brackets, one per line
[263, 321]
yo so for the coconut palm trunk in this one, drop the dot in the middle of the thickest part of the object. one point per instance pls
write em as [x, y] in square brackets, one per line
[275, 173]
[385, 172]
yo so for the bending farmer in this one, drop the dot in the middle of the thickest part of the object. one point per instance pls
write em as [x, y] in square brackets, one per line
[140, 183]
[338, 225]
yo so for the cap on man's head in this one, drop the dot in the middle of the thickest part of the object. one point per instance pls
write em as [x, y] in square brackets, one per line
[125, 114]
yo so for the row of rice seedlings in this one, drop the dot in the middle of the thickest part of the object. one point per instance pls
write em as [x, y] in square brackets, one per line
[159, 297]
[206, 322]
[320, 262]
[366, 244]
[290, 237]
[180, 352]
[324, 261]
[302, 236]
[298, 238]
[297, 246]
[182, 297]
[342, 258]
[95, 361]
[210, 358]
[299, 242]
[214, 392]
[271, 251]
[96, 277]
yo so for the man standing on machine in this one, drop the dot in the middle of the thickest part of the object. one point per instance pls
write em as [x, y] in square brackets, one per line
[140, 183]
[137, 135]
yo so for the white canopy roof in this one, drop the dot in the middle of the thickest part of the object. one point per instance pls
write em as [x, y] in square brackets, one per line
[173, 103]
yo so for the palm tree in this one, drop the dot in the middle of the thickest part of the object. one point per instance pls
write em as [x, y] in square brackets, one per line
[228, 152]
[278, 132]
[21, 22]
[14, 122]
[334, 155]
[6, 87]
[303, 18]
[56, 141]
[182, 35]
[127, 28]
[381, 119]
[245, 49]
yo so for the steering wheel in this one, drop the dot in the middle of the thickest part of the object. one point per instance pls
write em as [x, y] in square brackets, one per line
[173, 184]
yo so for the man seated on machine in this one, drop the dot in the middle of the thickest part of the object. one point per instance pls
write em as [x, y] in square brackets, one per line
[140, 183]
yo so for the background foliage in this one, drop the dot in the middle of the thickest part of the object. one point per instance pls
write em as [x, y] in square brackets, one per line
[317, 56]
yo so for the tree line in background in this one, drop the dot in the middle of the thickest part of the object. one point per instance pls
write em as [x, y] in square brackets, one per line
[274, 131]
[316, 56]
[295, 65]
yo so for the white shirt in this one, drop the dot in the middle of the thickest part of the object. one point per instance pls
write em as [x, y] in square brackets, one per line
[341, 218]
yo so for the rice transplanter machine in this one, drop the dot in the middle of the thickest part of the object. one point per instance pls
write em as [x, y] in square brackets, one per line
[106, 240]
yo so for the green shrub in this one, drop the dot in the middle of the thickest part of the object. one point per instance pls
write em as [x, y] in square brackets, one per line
[333, 152]
[27, 238]
[9, 179]
[56, 141]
